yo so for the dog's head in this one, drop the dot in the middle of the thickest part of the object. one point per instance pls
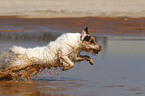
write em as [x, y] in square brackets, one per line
[89, 43]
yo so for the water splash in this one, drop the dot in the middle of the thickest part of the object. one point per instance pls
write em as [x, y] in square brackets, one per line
[25, 73]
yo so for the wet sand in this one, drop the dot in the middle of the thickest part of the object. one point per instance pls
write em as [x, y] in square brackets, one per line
[121, 26]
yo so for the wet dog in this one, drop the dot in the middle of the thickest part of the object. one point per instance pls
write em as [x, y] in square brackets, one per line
[60, 52]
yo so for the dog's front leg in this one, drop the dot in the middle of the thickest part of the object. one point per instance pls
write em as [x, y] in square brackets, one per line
[84, 57]
[67, 63]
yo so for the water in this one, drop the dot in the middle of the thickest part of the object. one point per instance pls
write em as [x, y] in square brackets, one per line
[118, 69]
[65, 8]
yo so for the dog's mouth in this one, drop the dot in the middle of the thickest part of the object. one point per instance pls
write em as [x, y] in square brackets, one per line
[96, 51]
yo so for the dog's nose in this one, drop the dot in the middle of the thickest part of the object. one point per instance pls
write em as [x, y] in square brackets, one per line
[99, 47]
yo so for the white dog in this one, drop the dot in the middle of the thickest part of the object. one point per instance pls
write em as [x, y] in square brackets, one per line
[62, 51]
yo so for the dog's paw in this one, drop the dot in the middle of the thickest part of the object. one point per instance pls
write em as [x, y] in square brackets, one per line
[66, 68]
[91, 62]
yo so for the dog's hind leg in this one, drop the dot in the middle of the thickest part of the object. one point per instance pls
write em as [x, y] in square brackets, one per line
[84, 57]
[67, 63]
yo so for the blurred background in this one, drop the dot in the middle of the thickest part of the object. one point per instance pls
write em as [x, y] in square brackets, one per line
[65, 8]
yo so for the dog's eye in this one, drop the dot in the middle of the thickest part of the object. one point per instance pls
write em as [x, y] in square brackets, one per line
[92, 41]
[87, 38]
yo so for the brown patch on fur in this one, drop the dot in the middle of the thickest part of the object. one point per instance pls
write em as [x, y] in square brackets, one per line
[89, 40]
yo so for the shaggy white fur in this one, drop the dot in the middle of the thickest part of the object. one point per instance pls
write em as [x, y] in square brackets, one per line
[65, 48]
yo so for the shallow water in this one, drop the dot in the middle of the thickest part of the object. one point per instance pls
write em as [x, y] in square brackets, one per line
[118, 69]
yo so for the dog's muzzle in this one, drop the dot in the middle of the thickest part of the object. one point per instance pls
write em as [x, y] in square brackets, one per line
[96, 50]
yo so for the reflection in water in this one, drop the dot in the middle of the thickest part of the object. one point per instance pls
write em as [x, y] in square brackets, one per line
[41, 88]
[121, 69]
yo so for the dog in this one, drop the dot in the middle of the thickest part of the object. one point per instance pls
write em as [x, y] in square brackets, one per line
[61, 52]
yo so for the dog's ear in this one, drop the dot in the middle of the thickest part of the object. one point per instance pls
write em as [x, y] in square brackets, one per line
[84, 33]
[86, 30]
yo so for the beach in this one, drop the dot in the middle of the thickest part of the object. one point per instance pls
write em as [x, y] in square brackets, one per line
[73, 8]
[117, 25]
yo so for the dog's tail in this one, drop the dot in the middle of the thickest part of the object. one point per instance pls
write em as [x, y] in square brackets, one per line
[17, 50]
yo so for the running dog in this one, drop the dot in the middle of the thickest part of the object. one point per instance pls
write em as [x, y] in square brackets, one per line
[61, 52]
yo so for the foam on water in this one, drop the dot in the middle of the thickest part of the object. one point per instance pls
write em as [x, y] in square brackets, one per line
[63, 8]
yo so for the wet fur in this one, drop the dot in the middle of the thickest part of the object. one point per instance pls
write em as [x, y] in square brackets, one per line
[65, 49]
